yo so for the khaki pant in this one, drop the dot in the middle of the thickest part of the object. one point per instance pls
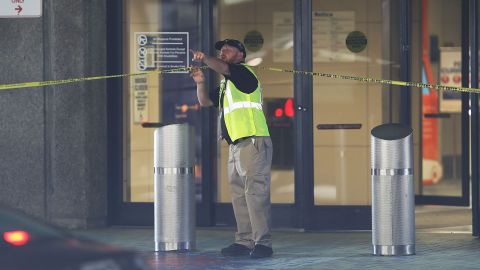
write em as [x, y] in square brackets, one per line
[249, 165]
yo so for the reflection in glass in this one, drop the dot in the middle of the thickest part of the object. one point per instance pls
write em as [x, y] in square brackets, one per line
[345, 111]
[165, 98]
[441, 111]
[266, 28]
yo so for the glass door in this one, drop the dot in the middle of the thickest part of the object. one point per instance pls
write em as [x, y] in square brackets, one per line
[347, 40]
[157, 35]
[266, 29]
[441, 116]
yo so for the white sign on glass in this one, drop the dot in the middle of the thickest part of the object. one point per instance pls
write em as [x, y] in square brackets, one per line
[329, 32]
[161, 50]
[451, 75]
[140, 99]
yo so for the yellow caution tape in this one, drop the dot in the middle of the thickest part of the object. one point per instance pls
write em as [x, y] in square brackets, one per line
[55, 82]
[318, 74]
[380, 81]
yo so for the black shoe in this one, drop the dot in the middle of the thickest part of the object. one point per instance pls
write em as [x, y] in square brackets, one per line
[236, 250]
[261, 251]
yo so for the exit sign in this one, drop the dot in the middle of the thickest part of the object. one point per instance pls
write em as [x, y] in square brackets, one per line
[20, 8]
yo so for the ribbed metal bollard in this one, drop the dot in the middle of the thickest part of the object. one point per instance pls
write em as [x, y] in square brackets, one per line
[393, 196]
[174, 188]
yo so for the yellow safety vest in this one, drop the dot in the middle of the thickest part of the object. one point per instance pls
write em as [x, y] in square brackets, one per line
[242, 113]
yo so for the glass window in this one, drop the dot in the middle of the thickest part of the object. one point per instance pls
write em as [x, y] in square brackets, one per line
[157, 36]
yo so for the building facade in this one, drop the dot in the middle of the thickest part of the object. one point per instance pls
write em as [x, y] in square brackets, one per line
[77, 154]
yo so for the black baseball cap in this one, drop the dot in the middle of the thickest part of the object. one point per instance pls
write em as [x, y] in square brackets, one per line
[231, 42]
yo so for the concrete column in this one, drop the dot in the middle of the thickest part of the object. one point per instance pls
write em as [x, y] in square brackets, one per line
[53, 139]
[22, 144]
[76, 113]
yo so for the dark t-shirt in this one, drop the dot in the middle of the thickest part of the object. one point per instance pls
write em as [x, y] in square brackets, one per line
[244, 80]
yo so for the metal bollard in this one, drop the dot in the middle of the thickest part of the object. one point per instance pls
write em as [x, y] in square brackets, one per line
[393, 196]
[174, 188]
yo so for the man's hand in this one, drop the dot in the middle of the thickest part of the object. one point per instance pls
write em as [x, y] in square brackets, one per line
[212, 62]
[198, 56]
[197, 75]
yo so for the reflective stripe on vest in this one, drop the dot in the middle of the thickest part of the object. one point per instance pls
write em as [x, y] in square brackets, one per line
[238, 105]
[242, 104]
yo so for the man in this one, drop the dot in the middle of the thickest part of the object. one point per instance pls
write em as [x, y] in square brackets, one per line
[243, 126]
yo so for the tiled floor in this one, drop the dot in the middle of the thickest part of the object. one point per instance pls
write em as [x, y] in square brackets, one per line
[442, 249]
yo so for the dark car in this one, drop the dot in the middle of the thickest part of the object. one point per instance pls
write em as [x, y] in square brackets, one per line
[26, 243]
